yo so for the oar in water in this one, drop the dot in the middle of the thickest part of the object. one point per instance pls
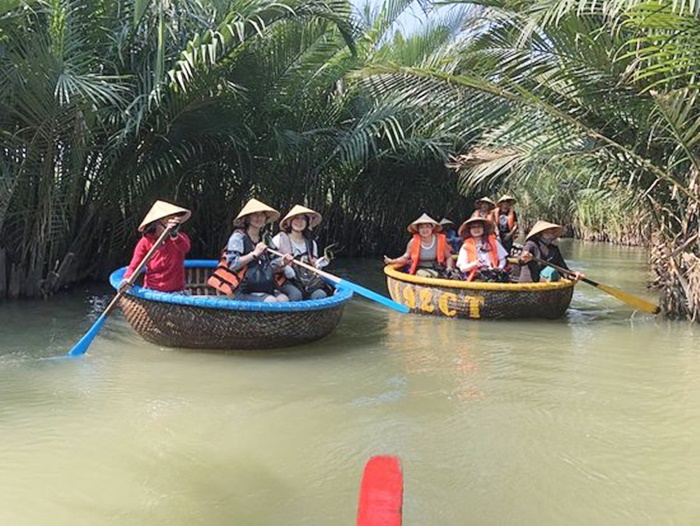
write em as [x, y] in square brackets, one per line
[82, 346]
[630, 299]
[381, 493]
[344, 283]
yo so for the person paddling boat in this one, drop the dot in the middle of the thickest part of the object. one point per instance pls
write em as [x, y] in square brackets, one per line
[540, 243]
[165, 271]
[247, 272]
[295, 238]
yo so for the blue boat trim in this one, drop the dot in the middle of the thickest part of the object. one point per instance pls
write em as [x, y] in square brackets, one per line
[341, 296]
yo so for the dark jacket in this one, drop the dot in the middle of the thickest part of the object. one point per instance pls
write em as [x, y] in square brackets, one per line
[536, 247]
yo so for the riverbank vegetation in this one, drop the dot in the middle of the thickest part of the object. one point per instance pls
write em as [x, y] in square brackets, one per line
[588, 111]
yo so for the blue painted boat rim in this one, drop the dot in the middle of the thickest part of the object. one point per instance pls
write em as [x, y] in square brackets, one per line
[340, 297]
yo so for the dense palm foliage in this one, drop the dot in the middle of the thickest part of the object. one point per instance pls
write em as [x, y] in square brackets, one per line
[601, 95]
[110, 104]
[587, 110]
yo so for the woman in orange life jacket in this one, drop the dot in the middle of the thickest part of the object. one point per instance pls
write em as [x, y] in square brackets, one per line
[481, 250]
[540, 243]
[165, 271]
[428, 249]
[507, 221]
[485, 209]
[245, 249]
[295, 238]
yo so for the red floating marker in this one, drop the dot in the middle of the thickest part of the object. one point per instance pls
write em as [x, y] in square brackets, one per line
[381, 493]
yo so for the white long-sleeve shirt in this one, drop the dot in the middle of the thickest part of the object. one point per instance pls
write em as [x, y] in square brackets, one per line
[483, 256]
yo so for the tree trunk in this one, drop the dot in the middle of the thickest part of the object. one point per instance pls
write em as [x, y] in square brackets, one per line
[3, 274]
[15, 286]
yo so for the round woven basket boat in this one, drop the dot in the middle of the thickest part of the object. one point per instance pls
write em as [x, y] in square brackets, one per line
[206, 320]
[476, 300]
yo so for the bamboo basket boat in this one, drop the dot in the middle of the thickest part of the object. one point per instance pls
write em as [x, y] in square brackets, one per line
[477, 300]
[207, 320]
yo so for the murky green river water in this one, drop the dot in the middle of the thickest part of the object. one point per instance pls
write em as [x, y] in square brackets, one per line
[594, 418]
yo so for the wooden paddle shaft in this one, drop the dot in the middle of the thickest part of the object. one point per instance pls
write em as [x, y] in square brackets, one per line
[563, 270]
[331, 277]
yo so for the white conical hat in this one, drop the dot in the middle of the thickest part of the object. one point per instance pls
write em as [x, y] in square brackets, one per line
[254, 206]
[163, 209]
[485, 200]
[541, 226]
[298, 210]
[505, 198]
[464, 227]
[444, 222]
[425, 219]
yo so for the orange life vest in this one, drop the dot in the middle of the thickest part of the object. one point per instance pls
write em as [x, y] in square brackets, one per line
[224, 279]
[415, 251]
[227, 281]
[511, 218]
[470, 246]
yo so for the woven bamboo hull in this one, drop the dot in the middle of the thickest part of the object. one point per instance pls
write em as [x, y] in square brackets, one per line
[442, 297]
[207, 321]
[196, 328]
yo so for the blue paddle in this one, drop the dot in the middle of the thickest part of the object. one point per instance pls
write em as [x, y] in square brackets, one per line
[349, 285]
[82, 346]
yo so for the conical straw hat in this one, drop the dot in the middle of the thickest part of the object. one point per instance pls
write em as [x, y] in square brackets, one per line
[541, 226]
[298, 210]
[506, 198]
[161, 210]
[485, 200]
[464, 227]
[444, 222]
[425, 219]
[252, 207]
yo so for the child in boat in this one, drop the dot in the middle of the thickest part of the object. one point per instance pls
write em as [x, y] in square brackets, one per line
[428, 252]
[450, 231]
[482, 257]
[295, 238]
[507, 221]
[246, 250]
[165, 271]
[540, 243]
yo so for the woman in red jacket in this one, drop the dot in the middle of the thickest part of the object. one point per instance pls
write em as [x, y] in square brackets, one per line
[165, 271]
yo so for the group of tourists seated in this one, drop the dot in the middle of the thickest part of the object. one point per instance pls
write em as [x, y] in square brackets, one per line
[484, 247]
[249, 269]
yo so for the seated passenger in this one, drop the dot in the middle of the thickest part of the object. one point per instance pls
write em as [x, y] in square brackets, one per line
[482, 257]
[485, 209]
[450, 231]
[507, 221]
[296, 239]
[248, 272]
[540, 244]
[165, 271]
[427, 253]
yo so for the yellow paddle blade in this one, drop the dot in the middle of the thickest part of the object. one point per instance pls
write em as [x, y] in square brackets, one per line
[631, 299]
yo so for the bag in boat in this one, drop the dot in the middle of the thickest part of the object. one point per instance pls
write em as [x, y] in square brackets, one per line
[259, 277]
[308, 281]
[493, 275]
[224, 279]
